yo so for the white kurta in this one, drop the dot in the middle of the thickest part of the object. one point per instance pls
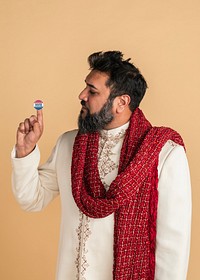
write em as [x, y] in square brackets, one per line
[86, 244]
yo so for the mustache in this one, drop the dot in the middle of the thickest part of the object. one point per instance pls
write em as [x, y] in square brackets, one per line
[83, 103]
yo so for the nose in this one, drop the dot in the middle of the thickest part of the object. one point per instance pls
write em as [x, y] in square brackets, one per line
[84, 95]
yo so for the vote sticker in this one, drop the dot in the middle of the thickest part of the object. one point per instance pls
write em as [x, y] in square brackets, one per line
[38, 104]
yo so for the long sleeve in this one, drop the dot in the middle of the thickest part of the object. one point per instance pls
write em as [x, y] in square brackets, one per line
[174, 217]
[34, 187]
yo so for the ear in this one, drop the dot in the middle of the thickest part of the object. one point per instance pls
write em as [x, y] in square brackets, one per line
[123, 102]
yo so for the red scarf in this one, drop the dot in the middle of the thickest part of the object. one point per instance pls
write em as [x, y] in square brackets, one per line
[132, 196]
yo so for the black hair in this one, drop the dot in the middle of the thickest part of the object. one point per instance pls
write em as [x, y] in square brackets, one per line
[124, 77]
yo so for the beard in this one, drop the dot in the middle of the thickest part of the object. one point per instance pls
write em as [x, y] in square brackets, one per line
[97, 121]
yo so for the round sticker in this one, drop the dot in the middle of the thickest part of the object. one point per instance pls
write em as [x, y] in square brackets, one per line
[38, 104]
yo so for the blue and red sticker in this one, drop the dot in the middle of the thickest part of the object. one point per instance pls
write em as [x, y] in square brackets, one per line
[38, 104]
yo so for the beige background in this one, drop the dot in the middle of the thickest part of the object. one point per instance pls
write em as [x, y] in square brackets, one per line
[44, 46]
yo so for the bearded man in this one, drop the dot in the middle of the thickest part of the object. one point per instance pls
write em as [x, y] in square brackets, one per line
[124, 184]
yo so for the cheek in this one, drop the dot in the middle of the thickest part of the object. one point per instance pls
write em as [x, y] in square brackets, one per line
[95, 104]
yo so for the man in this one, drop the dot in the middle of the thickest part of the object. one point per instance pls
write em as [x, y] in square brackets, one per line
[124, 185]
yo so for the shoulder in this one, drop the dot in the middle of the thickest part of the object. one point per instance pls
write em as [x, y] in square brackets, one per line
[69, 135]
[171, 155]
[67, 138]
[64, 144]
[163, 134]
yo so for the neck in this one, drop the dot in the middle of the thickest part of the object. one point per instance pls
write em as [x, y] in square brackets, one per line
[118, 121]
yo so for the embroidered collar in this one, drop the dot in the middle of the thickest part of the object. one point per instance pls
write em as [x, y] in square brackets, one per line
[115, 133]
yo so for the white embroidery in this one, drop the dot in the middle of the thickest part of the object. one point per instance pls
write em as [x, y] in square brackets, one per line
[107, 142]
[83, 232]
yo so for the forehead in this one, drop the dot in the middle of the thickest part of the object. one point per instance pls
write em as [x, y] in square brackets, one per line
[97, 78]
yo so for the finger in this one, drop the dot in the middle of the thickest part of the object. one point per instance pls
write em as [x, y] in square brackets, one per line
[37, 129]
[40, 117]
[33, 119]
[27, 125]
[21, 128]
[20, 134]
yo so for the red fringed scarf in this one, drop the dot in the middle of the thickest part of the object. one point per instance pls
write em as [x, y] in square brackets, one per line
[132, 196]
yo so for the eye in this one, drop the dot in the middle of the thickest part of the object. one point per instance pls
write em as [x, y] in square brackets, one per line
[92, 92]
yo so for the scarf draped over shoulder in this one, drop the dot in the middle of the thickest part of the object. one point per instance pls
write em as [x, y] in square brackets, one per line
[132, 196]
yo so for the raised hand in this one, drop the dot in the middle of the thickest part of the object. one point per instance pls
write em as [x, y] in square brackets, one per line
[28, 134]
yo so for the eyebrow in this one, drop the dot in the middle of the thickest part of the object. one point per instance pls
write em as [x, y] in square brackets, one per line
[90, 85]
